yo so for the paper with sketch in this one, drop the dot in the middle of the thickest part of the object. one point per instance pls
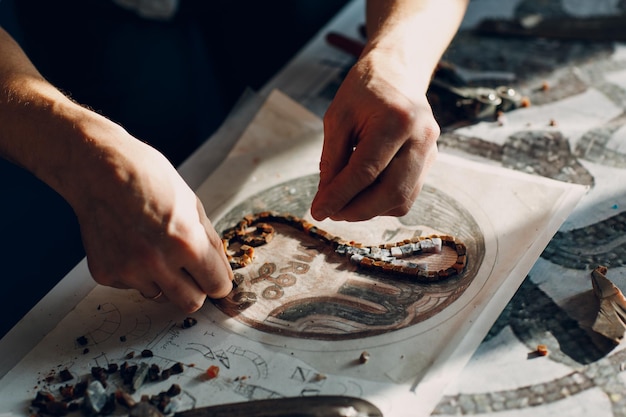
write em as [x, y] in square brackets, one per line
[309, 314]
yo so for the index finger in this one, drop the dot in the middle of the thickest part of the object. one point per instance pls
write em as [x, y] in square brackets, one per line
[215, 275]
[338, 143]
[363, 167]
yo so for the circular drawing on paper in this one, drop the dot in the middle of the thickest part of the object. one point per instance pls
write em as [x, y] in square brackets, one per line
[297, 286]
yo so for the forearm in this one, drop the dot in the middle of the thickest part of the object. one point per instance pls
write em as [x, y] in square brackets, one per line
[141, 225]
[415, 32]
[42, 130]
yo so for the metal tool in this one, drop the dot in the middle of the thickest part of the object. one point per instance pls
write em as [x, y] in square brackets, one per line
[476, 103]
[318, 406]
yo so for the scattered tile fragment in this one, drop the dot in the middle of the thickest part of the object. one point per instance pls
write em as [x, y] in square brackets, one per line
[189, 322]
[611, 318]
[542, 350]
[212, 372]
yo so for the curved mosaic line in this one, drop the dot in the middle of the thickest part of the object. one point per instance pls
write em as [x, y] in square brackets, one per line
[331, 299]
[539, 152]
[531, 314]
[593, 145]
[603, 374]
[601, 243]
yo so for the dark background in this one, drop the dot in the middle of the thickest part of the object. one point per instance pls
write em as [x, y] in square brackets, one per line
[170, 84]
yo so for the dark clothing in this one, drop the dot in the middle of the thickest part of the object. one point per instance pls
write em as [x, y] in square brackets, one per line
[169, 83]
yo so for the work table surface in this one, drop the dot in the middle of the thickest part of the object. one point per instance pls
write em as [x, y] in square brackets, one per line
[573, 131]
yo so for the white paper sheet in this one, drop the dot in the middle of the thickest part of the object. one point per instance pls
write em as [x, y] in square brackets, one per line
[506, 218]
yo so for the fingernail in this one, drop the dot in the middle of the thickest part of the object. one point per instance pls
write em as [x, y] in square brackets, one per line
[320, 214]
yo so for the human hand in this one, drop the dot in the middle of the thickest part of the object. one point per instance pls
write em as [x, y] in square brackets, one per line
[379, 141]
[144, 228]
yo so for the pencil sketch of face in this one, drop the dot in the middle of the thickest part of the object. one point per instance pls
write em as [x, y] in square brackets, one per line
[297, 286]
